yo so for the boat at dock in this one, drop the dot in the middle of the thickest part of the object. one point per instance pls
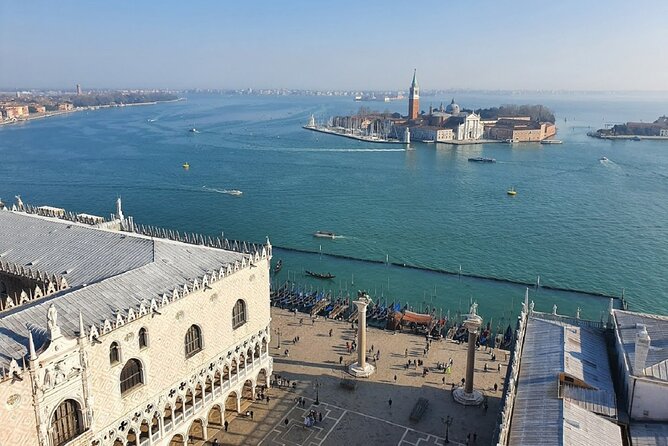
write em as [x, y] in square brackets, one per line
[325, 234]
[480, 159]
[319, 275]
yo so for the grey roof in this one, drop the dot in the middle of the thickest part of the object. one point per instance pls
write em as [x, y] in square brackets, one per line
[657, 328]
[132, 269]
[539, 415]
[55, 246]
[649, 434]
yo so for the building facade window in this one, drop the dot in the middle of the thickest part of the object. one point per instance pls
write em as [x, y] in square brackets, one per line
[239, 314]
[114, 353]
[131, 375]
[193, 340]
[143, 337]
[66, 422]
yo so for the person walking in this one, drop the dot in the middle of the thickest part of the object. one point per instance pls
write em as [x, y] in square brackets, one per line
[389, 402]
[252, 415]
[395, 379]
[226, 425]
[340, 360]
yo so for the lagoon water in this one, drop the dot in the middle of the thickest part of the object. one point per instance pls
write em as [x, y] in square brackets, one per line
[576, 221]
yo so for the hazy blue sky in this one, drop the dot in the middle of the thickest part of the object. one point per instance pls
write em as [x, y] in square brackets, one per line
[335, 44]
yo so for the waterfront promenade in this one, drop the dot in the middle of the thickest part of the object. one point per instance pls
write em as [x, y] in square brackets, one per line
[363, 415]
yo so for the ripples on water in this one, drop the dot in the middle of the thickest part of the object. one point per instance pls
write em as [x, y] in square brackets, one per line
[576, 221]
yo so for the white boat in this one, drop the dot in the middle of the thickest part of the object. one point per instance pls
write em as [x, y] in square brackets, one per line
[234, 192]
[193, 130]
[551, 141]
[325, 234]
[603, 158]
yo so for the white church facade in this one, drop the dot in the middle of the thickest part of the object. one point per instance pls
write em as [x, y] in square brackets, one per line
[113, 334]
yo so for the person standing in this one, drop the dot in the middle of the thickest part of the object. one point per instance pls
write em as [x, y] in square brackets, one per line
[226, 425]
[389, 402]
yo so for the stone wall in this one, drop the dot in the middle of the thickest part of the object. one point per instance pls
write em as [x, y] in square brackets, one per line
[16, 407]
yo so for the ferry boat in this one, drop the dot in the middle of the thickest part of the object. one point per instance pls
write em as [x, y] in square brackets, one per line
[551, 141]
[511, 191]
[325, 234]
[480, 159]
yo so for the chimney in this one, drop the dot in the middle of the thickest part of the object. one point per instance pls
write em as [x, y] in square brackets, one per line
[642, 348]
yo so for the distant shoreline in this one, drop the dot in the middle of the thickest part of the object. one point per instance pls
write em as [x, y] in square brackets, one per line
[631, 137]
[80, 109]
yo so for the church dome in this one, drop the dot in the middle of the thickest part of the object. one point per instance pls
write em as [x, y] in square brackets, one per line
[452, 108]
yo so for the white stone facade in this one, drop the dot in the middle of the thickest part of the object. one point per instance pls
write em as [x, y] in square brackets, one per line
[471, 129]
[179, 394]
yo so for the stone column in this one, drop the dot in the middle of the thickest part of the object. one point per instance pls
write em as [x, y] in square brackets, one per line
[361, 369]
[468, 396]
[470, 359]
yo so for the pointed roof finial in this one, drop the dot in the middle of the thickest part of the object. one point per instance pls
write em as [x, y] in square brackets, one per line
[31, 347]
[119, 209]
[414, 83]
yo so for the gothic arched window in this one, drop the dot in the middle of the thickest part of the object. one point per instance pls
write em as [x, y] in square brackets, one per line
[143, 337]
[239, 314]
[66, 422]
[131, 375]
[114, 353]
[193, 340]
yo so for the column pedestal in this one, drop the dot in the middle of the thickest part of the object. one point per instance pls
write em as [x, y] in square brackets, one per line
[467, 395]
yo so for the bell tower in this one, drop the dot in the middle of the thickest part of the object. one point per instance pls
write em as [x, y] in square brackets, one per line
[414, 99]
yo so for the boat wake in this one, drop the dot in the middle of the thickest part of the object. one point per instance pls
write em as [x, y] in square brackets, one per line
[234, 192]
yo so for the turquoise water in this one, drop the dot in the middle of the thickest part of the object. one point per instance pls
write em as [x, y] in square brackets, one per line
[576, 221]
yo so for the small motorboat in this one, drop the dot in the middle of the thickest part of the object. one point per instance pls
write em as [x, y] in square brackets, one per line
[319, 275]
[511, 191]
[603, 158]
[235, 192]
[193, 130]
[325, 234]
[480, 159]
[278, 266]
[186, 166]
[551, 141]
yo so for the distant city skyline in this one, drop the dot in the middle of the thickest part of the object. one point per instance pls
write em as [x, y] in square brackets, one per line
[488, 45]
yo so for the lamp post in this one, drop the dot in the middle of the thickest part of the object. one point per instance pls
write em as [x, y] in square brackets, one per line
[317, 392]
[447, 421]
[278, 333]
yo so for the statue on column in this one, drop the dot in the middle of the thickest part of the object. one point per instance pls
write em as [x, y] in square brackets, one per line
[52, 322]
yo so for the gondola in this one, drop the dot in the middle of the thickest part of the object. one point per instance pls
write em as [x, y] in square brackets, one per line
[278, 266]
[320, 275]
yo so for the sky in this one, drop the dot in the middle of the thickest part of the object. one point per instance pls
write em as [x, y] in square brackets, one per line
[340, 44]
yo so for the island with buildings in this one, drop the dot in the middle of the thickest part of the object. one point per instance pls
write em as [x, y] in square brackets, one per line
[451, 124]
[635, 130]
[23, 106]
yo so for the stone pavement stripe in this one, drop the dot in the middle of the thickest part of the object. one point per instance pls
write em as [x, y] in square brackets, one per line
[333, 426]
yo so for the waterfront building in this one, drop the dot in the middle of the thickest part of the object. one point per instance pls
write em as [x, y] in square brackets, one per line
[78, 89]
[414, 98]
[10, 111]
[65, 106]
[431, 133]
[520, 129]
[114, 334]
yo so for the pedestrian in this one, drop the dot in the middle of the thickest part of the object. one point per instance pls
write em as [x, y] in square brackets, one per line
[286, 422]
[252, 414]
[406, 354]
[485, 366]
[475, 437]
[301, 321]
[463, 381]
[371, 347]
[390, 402]
[267, 399]
[498, 368]
[496, 387]
[340, 360]
[444, 380]
[320, 417]
[215, 442]
[424, 352]
[226, 424]
[330, 332]
[395, 378]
